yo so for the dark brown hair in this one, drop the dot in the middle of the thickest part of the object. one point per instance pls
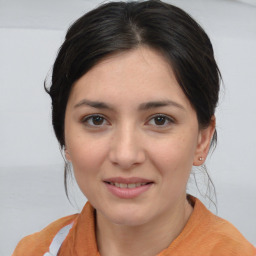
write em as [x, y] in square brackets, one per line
[121, 26]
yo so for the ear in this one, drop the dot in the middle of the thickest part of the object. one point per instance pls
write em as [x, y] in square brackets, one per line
[67, 156]
[204, 142]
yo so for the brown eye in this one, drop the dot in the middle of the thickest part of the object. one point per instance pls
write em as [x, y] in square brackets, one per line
[95, 120]
[161, 121]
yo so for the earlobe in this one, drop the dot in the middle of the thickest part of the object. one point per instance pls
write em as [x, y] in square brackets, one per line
[67, 156]
[204, 142]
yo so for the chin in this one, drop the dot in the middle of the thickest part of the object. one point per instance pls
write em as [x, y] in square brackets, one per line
[127, 216]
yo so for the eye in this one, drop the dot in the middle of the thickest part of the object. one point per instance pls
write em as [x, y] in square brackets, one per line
[160, 120]
[95, 120]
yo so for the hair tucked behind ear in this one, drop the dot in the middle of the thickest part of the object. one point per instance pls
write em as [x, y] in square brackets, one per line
[119, 26]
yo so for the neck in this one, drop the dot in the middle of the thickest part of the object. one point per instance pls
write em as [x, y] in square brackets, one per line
[146, 240]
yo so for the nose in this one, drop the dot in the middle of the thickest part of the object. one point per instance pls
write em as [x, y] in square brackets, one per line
[126, 148]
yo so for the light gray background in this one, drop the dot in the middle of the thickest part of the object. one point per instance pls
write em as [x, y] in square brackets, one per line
[31, 176]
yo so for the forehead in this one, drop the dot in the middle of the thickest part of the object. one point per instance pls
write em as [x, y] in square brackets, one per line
[137, 75]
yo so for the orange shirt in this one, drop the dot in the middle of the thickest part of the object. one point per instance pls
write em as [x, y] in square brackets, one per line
[204, 235]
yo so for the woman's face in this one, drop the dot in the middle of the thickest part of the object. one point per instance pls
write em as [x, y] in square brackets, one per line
[132, 137]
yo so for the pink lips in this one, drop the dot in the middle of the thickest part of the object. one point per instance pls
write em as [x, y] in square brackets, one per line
[127, 188]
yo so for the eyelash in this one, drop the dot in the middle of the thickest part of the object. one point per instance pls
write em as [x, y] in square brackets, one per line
[167, 118]
[87, 118]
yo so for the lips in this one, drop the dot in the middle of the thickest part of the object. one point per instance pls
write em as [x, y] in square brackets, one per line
[127, 188]
[125, 185]
[132, 180]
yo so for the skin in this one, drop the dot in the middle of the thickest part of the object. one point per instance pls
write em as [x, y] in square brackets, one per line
[128, 141]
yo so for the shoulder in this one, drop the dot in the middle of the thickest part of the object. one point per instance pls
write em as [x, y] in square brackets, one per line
[39, 242]
[221, 237]
[225, 239]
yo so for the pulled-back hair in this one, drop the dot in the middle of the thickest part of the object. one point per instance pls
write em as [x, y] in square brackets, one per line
[122, 26]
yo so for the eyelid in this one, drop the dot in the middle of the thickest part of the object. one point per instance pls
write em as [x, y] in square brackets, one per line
[85, 119]
[168, 118]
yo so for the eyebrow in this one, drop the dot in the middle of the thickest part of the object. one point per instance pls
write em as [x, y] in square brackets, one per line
[142, 107]
[158, 104]
[94, 104]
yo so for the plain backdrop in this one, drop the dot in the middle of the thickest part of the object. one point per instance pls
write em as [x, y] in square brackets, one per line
[31, 166]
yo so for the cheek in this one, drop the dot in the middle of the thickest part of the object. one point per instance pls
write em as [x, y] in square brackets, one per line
[86, 155]
[174, 155]
[173, 160]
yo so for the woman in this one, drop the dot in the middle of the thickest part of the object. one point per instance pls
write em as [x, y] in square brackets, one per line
[134, 90]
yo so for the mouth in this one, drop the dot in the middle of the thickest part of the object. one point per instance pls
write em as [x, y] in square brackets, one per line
[128, 188]
[128, 185]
